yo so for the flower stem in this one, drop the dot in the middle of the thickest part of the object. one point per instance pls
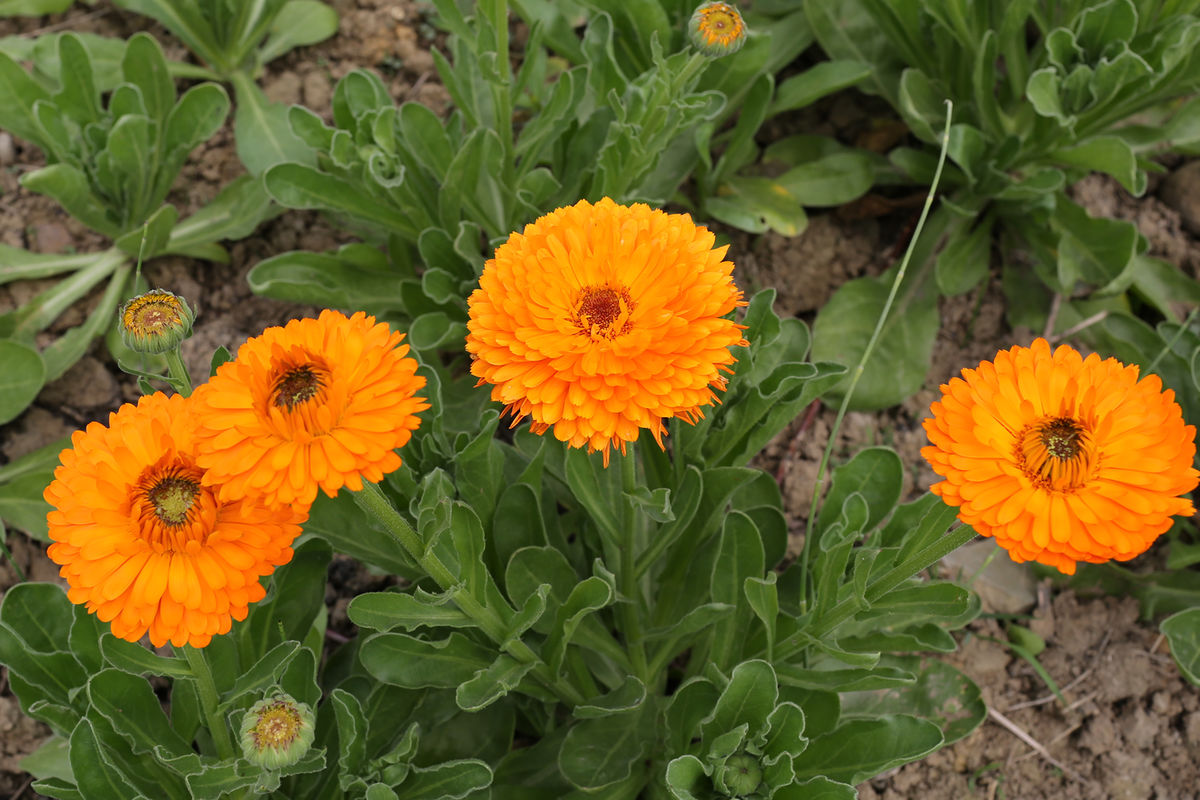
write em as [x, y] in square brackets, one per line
[810, 529]
[206, 688]
[630, 611]
[177, 372]
[372, 500]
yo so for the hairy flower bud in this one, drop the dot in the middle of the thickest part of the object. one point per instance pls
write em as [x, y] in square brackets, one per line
[716, 29]
[155, 322]
[277, 731]
[740, 775]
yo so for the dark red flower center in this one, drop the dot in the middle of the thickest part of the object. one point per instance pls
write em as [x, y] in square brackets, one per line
[599, 310]
[296, 385]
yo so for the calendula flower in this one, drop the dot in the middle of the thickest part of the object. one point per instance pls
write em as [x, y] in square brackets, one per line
[1061, 458]
[716, 29]
[144, 543]
[318, 402]
[277, 731]
[599, 320]
[155, 322]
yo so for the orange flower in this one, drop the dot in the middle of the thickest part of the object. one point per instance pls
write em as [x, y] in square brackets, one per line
[144, 543]
[319, 402]
[1061, 458]
[600, 320]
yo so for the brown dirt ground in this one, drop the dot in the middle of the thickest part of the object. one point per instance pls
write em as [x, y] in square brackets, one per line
[1131, 728]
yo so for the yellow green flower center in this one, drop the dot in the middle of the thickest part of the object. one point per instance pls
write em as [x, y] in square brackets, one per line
[720, 24]
[172, 498]
[297, 385]
[152, 314]
[1056, 453]
[277, 726]
[603, 311]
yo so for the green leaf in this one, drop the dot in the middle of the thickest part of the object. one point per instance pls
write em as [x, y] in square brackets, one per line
[41, 614]
[352, 733]
[352, 278]
[600, 752]
[897, 367]
[942, 695]
[817, 81]
[70, 187]
[18, 93]
[137, 660]
[50, 760]
[964, 261]
[21, 503]
[816, 789]
[413, 663]
[95, 774]
[833, 180]
[1109, 154]
[133, 710]
[490, 684]
[77, 97]
[296, 597]
[861, 749]
[150, 238]
[589, 595]
[383, 611]
[185, 20]
[1095, 250]
[756, 205]
[1183, 632]
[33, 8]
[55, 675]
[300, 186]
[298, 23]
[626, 697]
[877, 474]
[264, 137]
[449, 780]
[740, 558]
[266, 672]
[145, 67]
[749, 699]
[200, 113]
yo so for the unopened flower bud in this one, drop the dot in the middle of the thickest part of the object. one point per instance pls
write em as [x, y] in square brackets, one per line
[155, 322]
[741, 775]
[277, 731]
[716, 29]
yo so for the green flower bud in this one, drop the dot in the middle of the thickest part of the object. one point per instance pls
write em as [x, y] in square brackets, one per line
[741, 775]
[155, 322]
[277, 731]
[716, 29]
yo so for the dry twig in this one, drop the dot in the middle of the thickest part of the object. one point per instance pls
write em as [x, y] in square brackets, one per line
[1016, 730]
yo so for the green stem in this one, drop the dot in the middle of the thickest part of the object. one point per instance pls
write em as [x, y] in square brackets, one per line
[809, 534]
[372, 500]
[177, 371]
[206, 688]
[630, 611]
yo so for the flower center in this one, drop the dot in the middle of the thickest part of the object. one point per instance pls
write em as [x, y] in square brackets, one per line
[603, 311]
[172, 498]
[296, 385]
[278, 726]
[152, 314]
[1056, 453]
[719, 25]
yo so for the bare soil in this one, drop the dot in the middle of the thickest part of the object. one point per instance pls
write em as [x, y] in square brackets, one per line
[1131, 727]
